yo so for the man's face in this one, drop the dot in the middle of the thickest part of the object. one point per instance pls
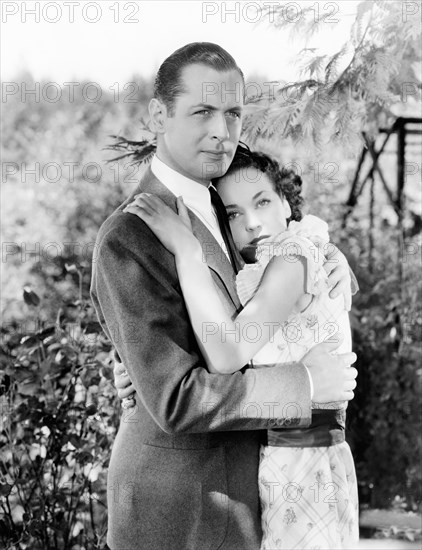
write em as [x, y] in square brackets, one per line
[200, 138]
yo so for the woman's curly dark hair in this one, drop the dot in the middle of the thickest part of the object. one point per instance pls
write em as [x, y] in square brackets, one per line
[286, 182]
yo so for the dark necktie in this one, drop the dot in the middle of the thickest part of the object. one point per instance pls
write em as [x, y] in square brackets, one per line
[223, 222]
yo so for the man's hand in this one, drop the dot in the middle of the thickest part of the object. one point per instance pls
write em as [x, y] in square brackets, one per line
[333, 378]
[338, 271]
[123, 383]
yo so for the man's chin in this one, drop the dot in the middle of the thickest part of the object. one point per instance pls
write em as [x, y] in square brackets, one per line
[217, 168]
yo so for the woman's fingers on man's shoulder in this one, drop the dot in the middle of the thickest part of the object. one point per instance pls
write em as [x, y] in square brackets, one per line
[119, 369]
[124, 392]
[121, 377]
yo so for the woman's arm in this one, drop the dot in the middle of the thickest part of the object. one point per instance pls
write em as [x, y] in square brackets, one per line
[229, 344]
[226, 344]
[136, 294]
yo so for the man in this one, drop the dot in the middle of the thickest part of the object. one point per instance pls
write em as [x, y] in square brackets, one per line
[184, 466]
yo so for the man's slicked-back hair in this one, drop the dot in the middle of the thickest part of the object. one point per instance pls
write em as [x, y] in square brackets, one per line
[168, 82]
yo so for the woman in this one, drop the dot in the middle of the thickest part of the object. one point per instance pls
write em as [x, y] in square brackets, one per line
[307, 478]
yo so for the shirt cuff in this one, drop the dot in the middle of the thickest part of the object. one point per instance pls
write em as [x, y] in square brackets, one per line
[310, 381]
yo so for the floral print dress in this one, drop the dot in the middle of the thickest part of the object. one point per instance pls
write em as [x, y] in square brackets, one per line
[307, 479]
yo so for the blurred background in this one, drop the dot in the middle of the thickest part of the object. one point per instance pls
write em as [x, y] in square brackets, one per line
[333, 91]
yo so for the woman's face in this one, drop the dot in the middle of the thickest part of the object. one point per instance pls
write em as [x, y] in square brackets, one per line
[254, 209]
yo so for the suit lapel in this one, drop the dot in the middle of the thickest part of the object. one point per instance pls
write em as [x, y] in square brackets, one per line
[215, 257]
[213, 254]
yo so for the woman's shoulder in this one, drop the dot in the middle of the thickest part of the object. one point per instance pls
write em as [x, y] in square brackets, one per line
[304, 239]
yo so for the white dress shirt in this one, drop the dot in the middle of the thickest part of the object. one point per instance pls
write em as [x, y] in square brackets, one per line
[195, 196]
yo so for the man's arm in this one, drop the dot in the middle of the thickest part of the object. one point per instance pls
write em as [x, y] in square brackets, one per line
[140, 304]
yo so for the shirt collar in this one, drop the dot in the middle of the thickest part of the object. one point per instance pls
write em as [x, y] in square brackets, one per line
[194, 194]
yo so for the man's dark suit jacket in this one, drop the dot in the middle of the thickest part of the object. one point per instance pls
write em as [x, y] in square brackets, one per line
[183, 473]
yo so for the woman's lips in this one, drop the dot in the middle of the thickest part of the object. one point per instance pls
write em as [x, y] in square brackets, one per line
[255, 241]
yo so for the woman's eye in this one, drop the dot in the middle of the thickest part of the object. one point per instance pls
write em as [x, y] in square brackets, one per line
[232, 215]
[263, 202]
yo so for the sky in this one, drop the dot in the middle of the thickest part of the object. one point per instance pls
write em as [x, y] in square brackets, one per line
[110, 41]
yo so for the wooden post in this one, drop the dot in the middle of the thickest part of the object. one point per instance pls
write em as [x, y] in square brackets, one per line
[354, 193]
[401, 151]
[371, 224]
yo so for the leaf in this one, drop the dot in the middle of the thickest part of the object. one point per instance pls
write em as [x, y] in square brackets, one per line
[92, 327]
[313, 68]
[410, 535]
[91, 409]
[5, 489]
[30, 297]
[90, 376]
[71, 268]
[30, 388]
[140, 151]
[76, 441]
[84, 457]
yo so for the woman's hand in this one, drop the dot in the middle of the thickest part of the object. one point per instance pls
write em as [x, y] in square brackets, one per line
[173, 230]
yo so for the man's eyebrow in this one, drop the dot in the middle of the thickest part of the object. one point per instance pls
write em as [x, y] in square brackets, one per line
[236, 108]
[212, 108]
[204, 106]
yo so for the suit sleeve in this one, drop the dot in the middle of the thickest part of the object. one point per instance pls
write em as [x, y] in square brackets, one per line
[141, 308]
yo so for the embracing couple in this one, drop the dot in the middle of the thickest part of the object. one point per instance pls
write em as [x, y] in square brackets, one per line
[216, 295]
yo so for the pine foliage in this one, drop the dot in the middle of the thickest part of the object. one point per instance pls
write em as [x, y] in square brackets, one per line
[137, 152]
[357, 88]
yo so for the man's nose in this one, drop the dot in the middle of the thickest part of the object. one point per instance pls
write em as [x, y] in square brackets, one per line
[219, 128]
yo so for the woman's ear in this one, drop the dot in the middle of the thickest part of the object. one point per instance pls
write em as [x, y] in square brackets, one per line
[158, 114]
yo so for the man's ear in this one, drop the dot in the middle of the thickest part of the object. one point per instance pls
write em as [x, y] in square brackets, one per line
[158, 114]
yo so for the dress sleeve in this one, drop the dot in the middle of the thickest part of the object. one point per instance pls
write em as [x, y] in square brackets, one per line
[297, 246]
[290, 246]
[248, 280]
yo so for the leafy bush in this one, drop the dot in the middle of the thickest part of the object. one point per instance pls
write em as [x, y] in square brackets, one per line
[385, 427]
[59, 418]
